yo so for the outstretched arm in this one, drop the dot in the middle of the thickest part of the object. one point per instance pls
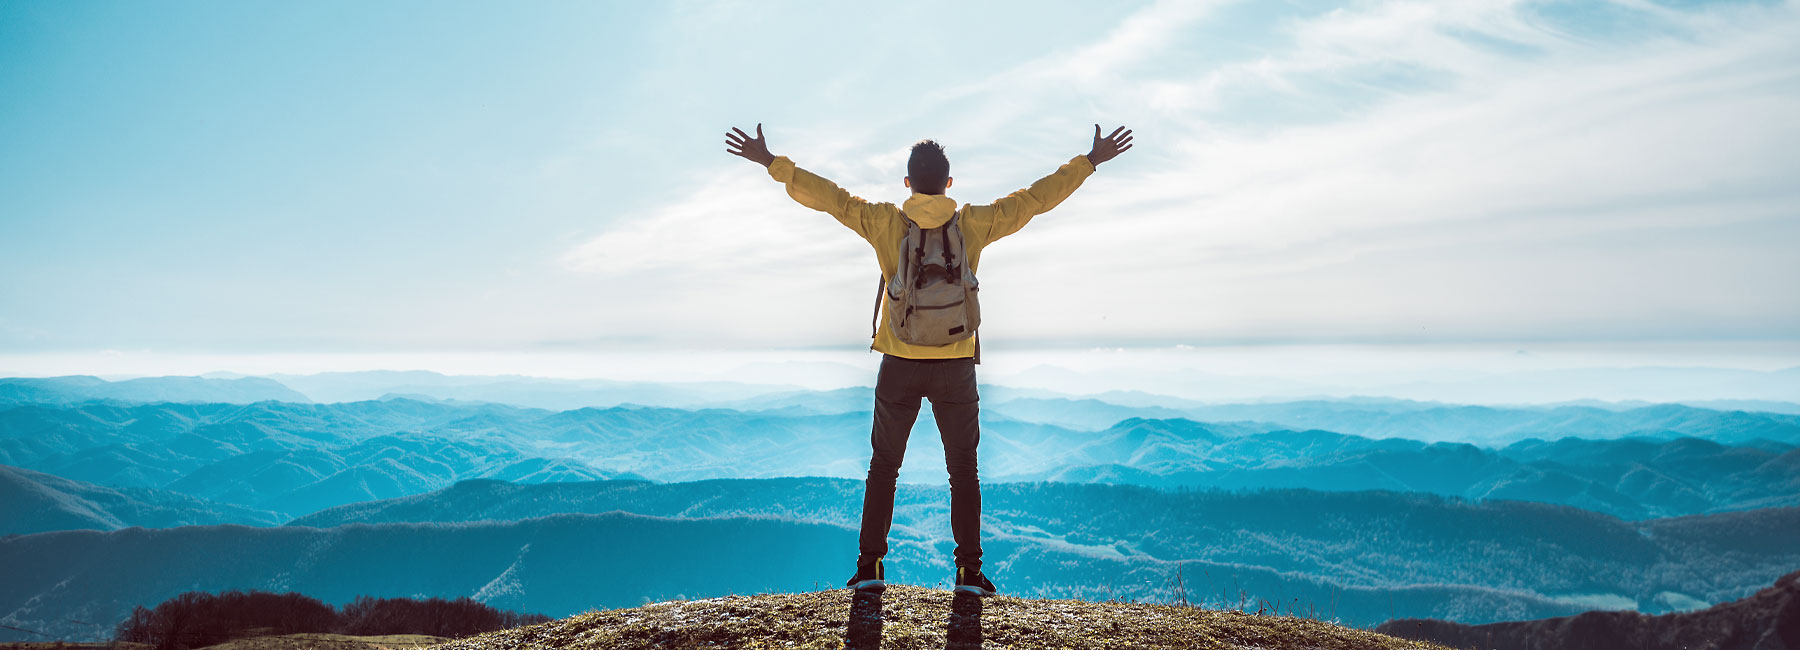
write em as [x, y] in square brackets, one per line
[1013, 211]
[810, 189]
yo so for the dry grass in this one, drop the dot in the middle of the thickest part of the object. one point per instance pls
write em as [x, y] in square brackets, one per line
[907, 617]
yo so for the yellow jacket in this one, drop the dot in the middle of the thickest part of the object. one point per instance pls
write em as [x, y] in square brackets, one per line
[881, 225]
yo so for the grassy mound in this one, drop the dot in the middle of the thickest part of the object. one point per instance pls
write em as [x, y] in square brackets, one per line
[915, 617]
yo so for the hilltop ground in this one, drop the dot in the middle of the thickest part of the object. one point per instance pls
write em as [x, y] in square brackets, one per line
[906, 617]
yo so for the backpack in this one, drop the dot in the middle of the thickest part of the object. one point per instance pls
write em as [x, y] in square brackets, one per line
[931, 298]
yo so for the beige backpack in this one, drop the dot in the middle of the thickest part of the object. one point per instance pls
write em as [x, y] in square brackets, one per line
[931, 298]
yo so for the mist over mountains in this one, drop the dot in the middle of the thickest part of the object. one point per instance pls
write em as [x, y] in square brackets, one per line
[1380, 507]
[82, 388]
[295, 458]
[1693, 385]
[1721, 389]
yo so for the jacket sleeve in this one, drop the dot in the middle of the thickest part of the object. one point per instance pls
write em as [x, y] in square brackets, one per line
[812, 191]
[1013, 211]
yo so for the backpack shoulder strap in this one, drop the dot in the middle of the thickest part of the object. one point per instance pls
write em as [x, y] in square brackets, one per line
[902, 274]
[953, 240]
[912, 248]
[880, 288]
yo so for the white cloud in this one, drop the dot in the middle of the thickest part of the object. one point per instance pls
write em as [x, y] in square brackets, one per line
[1509, 176]
[738, 222]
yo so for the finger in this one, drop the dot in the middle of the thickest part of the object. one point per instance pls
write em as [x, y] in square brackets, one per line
[732, 136]
[741, 132]
[1126, 134]
[1122, 149]
[734, 140]
[1122, 143]
[759, 134]
[1096, 132]
[1116, 131]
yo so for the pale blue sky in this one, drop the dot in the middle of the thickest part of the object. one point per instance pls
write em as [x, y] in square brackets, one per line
[412, 176]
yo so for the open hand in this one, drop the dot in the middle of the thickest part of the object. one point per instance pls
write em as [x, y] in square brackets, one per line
[1110, 146]
[753, 149]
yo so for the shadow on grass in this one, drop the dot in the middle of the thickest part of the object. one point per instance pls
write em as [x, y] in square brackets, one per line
[864, 630]
[965, 622]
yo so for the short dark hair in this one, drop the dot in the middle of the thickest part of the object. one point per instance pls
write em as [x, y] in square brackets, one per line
[928, 168]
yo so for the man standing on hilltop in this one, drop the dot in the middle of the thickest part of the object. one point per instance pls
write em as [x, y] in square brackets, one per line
[945, 373]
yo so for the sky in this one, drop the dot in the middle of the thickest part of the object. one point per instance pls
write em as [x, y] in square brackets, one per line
[184, 184]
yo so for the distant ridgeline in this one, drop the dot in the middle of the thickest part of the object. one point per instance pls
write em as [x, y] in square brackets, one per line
[268, 461]
[1560, 510]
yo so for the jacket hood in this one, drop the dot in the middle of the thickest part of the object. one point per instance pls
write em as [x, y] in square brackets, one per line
[929, 210]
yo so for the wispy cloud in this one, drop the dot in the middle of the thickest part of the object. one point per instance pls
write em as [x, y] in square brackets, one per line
[1390, 171]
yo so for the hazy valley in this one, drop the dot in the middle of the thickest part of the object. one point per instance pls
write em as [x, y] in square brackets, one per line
[123, 493]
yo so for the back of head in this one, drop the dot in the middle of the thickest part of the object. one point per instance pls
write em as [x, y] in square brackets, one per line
[928, 169]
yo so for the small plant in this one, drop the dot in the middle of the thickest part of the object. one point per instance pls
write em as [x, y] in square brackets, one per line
[1180, 588]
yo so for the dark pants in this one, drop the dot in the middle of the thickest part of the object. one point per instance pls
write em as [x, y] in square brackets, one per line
[950, 385]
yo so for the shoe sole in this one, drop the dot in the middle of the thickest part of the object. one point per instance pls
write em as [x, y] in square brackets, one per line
[972, 589]
[869, 584]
